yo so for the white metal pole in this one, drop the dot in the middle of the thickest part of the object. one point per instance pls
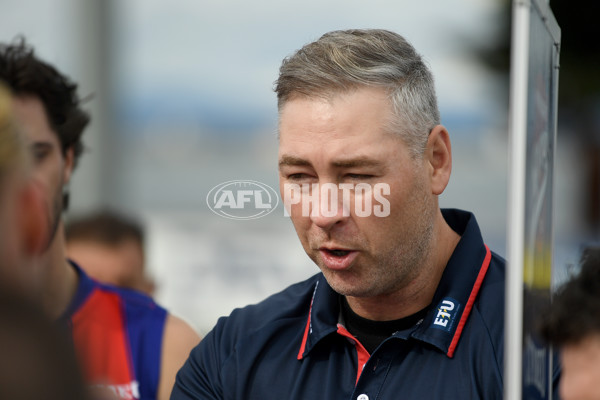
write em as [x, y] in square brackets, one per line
[513, 363]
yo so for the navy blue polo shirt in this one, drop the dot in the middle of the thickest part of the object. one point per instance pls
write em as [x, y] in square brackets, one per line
[292, 346]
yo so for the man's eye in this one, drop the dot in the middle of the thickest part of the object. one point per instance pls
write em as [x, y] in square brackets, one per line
[40, 152]
[297, 177]
[359, 176]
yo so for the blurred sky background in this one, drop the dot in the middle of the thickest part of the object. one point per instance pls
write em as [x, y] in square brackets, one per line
[182, 100]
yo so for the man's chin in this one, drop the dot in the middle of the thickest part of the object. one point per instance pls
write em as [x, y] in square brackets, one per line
[346, 283]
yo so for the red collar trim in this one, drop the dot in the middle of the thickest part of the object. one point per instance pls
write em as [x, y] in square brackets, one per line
[469, 306]
[308, 328]
[363, 354]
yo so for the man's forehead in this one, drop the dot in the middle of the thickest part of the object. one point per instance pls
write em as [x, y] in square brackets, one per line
[33, 121]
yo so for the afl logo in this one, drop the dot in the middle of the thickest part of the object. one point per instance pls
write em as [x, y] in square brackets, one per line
[242, 199]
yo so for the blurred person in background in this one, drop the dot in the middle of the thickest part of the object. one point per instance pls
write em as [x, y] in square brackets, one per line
[36, 361]
[126, 343]
[409, 301]
[23, 221]
[110, 248]
[572, 325]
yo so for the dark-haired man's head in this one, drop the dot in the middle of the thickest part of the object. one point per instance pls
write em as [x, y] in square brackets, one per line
[52, 122]
[27, 75]
[23, 220]
[573, 326]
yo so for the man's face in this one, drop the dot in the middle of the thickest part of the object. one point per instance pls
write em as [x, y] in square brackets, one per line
[52, 169]
[23, 231]
[580, 374]
[11, 248]
[343, 141]
[120, 264]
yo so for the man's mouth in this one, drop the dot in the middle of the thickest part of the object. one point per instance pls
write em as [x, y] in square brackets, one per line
[337, 258]
[337, 253]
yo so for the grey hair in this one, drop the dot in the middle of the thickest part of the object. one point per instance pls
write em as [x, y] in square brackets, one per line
[341, 61]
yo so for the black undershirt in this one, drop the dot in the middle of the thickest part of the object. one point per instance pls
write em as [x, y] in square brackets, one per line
[371, 333]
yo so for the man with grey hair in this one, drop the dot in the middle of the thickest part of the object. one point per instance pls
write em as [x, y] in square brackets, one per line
[409, 300]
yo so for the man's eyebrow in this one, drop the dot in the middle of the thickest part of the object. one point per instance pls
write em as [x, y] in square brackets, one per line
[293, 161]
[349, 163]
[40, 145]
[357, 162]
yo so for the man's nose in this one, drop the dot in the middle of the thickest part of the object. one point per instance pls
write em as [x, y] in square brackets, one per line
[330, 209]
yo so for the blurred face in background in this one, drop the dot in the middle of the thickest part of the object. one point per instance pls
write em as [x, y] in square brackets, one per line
[51, 168]
[23, 219]
[121, 264]
[580, 376]
[23, 233]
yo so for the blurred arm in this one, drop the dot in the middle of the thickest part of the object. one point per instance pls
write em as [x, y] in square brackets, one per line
[178, 339]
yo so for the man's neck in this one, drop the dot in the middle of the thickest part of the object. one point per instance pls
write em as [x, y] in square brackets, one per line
[418, 293]
[59, 278]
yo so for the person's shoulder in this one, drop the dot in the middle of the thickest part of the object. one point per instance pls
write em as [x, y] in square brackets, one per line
[289, 304]
[490, 301]
[90, 292]
[140, 312]
[485, 326]
[496, 273]
[131, 298]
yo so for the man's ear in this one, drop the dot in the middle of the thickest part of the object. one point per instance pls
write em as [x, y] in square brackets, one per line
[439, 157]
[34, 219]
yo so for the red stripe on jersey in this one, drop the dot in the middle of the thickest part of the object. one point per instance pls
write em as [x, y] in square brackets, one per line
[100, 340]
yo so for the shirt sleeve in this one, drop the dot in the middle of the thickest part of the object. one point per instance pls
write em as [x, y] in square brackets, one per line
[200, 376]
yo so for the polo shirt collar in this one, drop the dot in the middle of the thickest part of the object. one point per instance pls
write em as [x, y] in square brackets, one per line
[459, 286]
[322, 317]
[451, 304]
